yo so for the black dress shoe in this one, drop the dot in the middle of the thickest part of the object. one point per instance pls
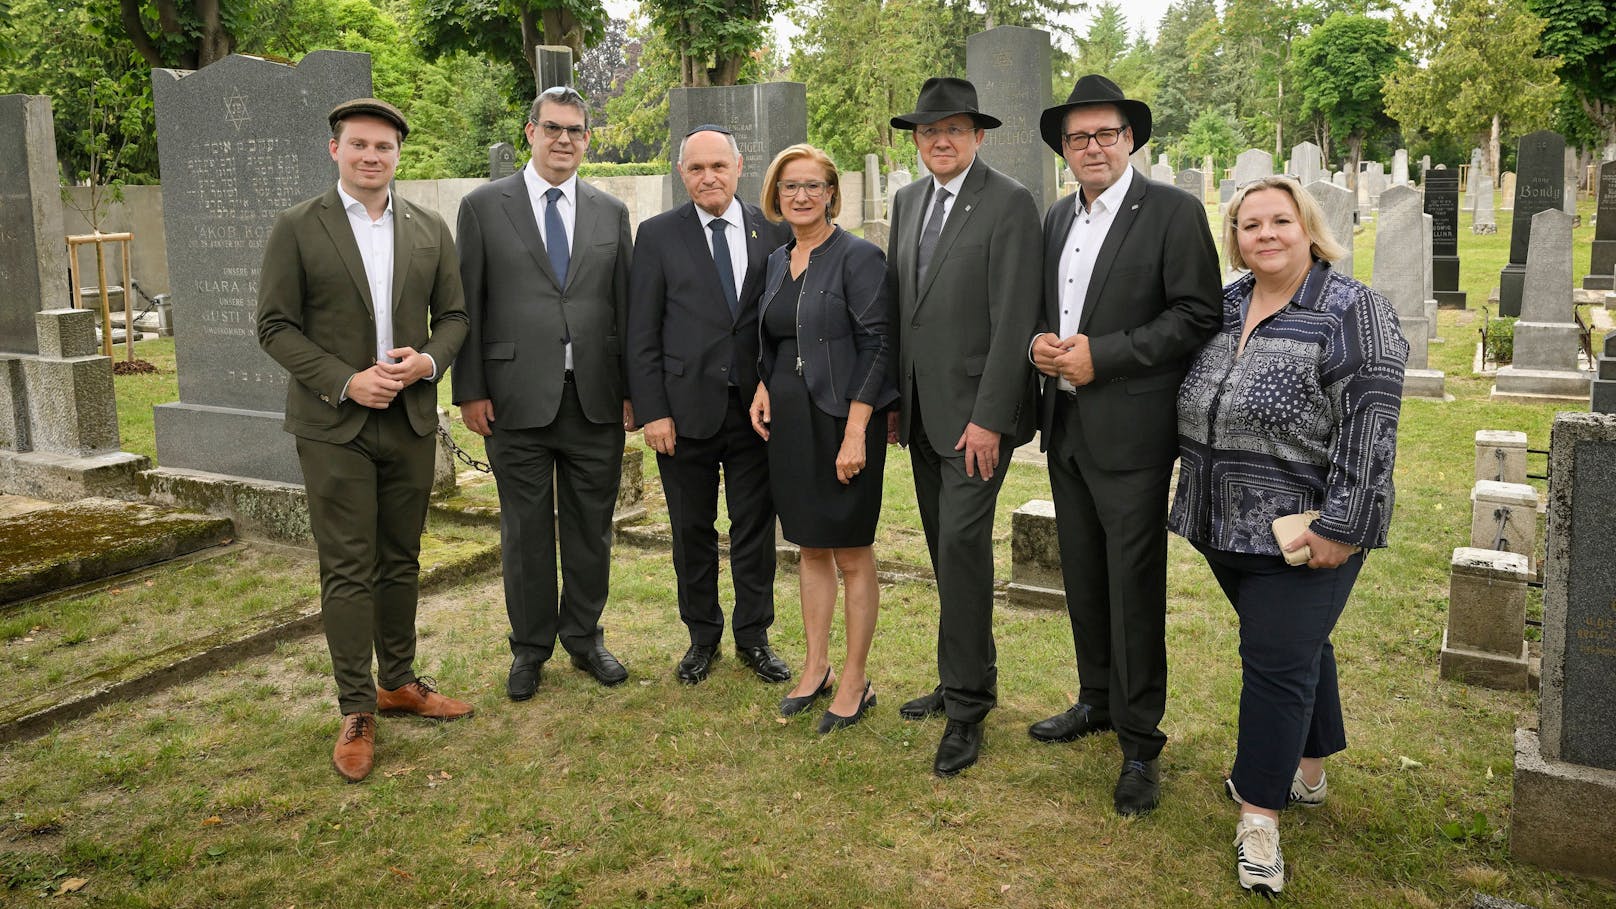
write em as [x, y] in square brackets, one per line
[599, 662]
[697, 661]
[761, 658]
[1077, 721]
[831, 722]
[1138, 788]
[790, 706]
[959, 747]
[923, 707]
[523, 680]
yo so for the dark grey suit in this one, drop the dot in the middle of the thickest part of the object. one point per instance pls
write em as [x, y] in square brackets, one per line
[962, 358]
[556, 439]
[1152, 301]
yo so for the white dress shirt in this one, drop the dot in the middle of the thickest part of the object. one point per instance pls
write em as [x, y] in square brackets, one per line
[375, 241]
[566, 207]
[1081, 250]
[953, 186]
[734, 237]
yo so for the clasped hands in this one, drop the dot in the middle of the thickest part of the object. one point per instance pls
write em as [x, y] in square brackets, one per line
[377, 386]
[1066, 358]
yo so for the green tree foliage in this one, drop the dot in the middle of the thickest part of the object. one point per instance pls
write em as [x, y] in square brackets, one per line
[1582, 34]
[1187, 67]
[1472, 61]
[712, 39]
[1213, 132]
[1337, 71]
[637, 117]
[508, 30]
[185, 34]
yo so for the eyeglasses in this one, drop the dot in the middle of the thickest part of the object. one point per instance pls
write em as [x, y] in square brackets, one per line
[1105, 138]
[554, 130]
[930, 133]
[814, 188]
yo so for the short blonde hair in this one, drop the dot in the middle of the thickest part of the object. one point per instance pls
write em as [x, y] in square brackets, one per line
[1324, 246]
[771, 180]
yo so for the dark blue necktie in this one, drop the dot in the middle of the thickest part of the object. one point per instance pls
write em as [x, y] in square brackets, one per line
[555, 236]
[726, 265]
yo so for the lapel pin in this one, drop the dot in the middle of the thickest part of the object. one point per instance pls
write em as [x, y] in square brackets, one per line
[1135, 207]
[754, 235]
[967, 208]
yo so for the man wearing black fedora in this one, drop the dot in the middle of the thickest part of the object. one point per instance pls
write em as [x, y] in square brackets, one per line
[1131, 290]
[963, 266]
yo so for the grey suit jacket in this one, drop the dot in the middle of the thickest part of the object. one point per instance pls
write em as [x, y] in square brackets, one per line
[962, 333]
[520, 314]
[1153, 301]
[315, 316]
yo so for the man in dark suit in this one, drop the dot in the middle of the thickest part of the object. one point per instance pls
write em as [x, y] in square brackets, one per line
[1130, 291]
[544, 257]
[359, 298]
[963, 267]
[692, 370]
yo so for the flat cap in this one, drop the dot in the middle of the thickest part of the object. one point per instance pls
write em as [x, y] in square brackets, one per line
[374, 107]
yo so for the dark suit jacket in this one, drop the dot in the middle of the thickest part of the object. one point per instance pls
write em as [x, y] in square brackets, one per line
[514, 353]
[682, 340]
[1153, 300]
[962, 335]
[315, 316]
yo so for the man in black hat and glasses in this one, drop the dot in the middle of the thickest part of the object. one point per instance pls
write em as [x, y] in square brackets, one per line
[1130, 292]
[963, 266]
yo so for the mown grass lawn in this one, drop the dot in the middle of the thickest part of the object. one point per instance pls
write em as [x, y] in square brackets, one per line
[219, 792]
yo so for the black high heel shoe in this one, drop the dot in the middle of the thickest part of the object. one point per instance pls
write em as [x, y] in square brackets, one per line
[831, 722]
[790, 706]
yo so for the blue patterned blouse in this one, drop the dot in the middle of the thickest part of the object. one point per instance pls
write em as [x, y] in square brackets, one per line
[1305, 418]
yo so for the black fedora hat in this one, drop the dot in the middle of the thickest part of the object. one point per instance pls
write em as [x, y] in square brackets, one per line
[1095, 89]
[943, 97]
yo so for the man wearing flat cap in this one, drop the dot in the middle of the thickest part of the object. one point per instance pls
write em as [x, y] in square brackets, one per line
[359, 299]
[1130, 292]
[964, 264]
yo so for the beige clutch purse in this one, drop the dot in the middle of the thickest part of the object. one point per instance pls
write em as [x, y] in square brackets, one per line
[1289, 527]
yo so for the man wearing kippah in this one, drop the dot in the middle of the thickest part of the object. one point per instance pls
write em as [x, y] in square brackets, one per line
[359, 299]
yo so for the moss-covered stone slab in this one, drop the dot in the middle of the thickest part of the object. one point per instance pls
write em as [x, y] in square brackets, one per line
[51, 548]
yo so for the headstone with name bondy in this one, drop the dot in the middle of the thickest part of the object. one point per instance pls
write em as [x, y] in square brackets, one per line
[1603, 261]
[1010, 67]
[1307, 162]
[1442, 204]
[1338, 211]
[1193, 182]
[1564, 807]
[1399, 275]
[238, 142]
[501, 160]
[765, 119]
[1539, 185]
[33, 260]
[1547, 339]
[1251, 164]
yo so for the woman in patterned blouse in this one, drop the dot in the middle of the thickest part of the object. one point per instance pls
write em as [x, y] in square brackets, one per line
[1291, 407]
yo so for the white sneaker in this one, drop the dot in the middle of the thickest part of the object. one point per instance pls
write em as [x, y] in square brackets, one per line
[1308, 796]
[1257, 859]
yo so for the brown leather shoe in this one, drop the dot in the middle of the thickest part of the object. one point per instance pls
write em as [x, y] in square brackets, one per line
[420, 698]
[355, 753]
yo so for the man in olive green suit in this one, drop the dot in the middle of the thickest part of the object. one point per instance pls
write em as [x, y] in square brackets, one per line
[360, 299]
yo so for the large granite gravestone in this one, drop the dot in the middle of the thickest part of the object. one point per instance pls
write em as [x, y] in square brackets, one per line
[1338, 211]
[1400, 167]
[553, 66]
[1307, 162]
[1564, 812]
[1539, 185]
[1442, 204]
[501, 160]
[1399, 274]
[1547, 339]
[1603, 262]
[765, 118]
[1482, 219]
[1010, 67]
[238, 141]
[33, 260]
[1193, 182]
[1603, 396]
[1251, 164]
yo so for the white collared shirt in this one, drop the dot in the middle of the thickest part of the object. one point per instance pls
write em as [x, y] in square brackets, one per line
[734, 237]
[375, 240]
[566, 207]
[1081, 250]
[953, 186]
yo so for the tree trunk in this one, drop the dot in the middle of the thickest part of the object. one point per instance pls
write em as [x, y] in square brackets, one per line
[728, 70]
[530, 40]
[1279, 117]
[129, 13]
[215, 42]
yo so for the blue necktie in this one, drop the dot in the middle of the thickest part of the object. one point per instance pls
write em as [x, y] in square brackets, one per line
[555, 236]
[726, 265]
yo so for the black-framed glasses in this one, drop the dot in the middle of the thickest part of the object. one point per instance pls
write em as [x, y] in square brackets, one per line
[930, 133]
[813, 188]
[554, 130]
[1105, 138]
